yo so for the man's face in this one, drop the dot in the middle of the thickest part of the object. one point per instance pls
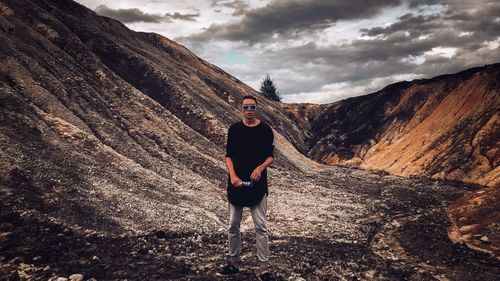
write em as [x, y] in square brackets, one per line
[248, 107]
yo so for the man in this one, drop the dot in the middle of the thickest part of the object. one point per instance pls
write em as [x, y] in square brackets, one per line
[249, 152]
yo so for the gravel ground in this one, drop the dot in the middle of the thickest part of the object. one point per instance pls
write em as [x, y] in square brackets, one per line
[360, 226]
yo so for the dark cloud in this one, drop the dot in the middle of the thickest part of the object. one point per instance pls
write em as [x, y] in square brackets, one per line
[419, 3]
[128, 15]
[396, 45]
[416, 25]
[290, 18]
[460, 29]
[240, 7]
[136, 15]
[184, 17]
[484, 21]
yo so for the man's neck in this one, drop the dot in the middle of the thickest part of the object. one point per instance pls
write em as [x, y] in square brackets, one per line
[251, 122]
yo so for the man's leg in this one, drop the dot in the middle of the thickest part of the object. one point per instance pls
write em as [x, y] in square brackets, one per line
[235, 215]
[261, 236]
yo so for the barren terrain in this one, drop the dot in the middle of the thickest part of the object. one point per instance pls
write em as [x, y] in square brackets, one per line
[111, 154]
[334, 224]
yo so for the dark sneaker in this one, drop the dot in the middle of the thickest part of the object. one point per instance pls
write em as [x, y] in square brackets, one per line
[227, 270]
[266, 276]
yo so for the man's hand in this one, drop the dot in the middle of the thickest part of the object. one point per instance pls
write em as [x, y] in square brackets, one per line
[256, 174]
[236, 181]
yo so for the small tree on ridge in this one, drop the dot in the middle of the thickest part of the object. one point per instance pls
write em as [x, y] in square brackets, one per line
[268, 89]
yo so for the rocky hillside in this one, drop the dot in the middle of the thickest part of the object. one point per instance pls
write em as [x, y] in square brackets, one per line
[476, 220]
[93, 114]
[446, 128]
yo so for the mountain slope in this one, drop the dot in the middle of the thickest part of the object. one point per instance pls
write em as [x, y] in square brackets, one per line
[443, 128]
[93, 114]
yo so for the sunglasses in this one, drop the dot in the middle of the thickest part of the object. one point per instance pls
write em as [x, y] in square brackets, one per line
[249, 106]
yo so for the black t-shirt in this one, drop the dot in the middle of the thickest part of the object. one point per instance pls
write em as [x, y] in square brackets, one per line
[248, 147]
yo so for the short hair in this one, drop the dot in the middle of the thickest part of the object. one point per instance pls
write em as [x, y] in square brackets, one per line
[249, 97]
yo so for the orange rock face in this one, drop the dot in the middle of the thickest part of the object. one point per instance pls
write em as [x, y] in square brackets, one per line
[446, 138]
[476, 221]
[444, 128]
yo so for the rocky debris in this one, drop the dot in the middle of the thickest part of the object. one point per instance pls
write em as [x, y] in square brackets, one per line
[295, 277]
[76, 277]
[386, 228]
[475, 220]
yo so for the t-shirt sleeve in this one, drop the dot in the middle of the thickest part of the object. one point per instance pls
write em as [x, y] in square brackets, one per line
[230, 145]
[269, 146]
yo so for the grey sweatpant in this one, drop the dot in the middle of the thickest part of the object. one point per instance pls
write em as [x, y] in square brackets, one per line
[261, 237]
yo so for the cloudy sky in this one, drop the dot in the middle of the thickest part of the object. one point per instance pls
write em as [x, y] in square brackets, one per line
[323, 51]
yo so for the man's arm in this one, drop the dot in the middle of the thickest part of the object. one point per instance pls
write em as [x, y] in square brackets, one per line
[235, 180]
[257, 171]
